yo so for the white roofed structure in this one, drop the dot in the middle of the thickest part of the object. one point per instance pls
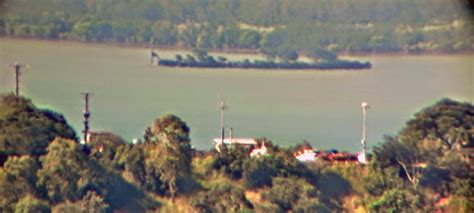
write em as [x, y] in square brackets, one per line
[257, 152]
[241, 141]
[234, 141]
[305, 155]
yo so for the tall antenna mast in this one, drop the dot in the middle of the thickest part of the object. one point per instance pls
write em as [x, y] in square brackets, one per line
[17, 68]
[365, 107]
[222, 107]
[87, 115]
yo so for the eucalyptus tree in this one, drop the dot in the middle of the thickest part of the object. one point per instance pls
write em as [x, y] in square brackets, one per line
[169, 152]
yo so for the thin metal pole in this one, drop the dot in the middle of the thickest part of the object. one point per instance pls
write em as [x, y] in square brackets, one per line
[222, 107]
[17, 68]
[365, 106]
[17, 79]
[87, 115]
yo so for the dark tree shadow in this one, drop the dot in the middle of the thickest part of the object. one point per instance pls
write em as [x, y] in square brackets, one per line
[333, 187]
[124, 197]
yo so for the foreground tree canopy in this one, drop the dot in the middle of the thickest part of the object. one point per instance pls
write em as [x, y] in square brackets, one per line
[27, 130]
[429, 155]
[421, 168]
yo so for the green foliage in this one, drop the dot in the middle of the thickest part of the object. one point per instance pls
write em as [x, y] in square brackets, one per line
[203, 166]
[287, 59]
[17, 180]
[366, 25]
[168, 153]
[447, 120]
[408, 172]
[24, 129]
[293, 194]
[200, 54]
[104, 147]
[66, 172]
[31, 204]
[288, 54]
[68, 207]
[231, 161]
[91, 202]
[318, 54]
[461, 204]
[221, 198]
[425, 153]
[333, 187]
[179, 57]
[378, 181]
[395, 200]
[258, 172]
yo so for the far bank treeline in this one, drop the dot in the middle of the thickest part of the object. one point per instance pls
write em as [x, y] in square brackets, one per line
[43, 168]
[287, 59]
[363, 26]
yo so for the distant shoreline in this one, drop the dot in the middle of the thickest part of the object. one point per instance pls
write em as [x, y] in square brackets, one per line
[235, 50]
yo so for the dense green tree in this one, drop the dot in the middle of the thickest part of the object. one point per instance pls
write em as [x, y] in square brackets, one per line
[396, 200]
[380, 180]
[249, 39]
[65, 171]
[221, 198]
[17, 180]
[24, 129]
[258, 172]
[294, 194]
[231, 160]
[31, 204]
[170, 155]
[407, 158]
[425, 153]
[104, 146]
[91, 202]
[449, 121]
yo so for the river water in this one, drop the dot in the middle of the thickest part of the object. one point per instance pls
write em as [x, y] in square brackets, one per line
[287, 107]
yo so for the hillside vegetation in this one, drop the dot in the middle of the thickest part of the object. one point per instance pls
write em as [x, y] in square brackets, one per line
[421, 169]
[264, 25]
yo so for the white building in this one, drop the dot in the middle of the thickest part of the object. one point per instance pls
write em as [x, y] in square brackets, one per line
[361, 158]
[306, 154]
[257, 152]
[233, 141]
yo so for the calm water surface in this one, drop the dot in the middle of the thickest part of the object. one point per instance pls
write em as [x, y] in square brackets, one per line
[287, 107]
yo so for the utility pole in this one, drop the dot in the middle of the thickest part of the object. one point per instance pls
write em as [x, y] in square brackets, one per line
[365, 107]
[87, 115]
[17, 68]
[222, 107]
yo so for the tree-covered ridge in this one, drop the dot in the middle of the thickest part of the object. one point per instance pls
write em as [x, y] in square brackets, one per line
[413, 171]
[341, 26]
[26, 130]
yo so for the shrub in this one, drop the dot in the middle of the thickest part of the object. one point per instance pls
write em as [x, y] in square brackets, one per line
[221, 198]
[31, 204]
